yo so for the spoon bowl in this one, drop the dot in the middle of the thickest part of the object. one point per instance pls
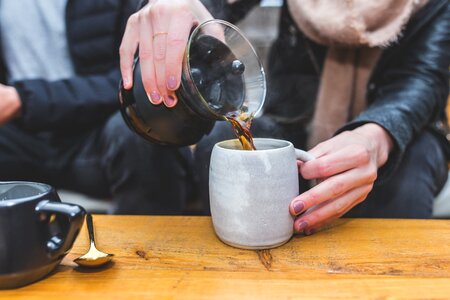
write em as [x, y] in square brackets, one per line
[94, 257]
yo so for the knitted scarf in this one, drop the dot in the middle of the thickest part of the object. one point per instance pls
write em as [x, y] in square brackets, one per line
[355, 31]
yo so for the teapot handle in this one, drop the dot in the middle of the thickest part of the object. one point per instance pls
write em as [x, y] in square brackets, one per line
[59, 244]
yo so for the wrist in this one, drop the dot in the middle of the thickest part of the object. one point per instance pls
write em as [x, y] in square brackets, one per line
[14, 101]
[381, 139]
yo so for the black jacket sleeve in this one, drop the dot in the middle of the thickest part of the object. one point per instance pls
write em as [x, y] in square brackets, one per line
[80, 101]
[412, 91]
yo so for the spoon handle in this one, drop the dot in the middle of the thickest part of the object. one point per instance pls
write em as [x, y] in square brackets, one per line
[90, 227]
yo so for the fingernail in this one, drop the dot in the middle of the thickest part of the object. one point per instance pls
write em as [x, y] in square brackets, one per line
[298, 206]
[155, 97]
[170, 101]
[172, 83]
[310, 231]
[126, 82]
[302, 226]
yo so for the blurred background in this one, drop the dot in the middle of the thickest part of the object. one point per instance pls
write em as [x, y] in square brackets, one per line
[260, 27]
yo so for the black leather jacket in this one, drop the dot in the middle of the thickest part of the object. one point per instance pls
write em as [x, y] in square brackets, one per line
[407, 92]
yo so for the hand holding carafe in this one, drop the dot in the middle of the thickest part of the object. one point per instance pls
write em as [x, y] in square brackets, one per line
[218, 77]
[161, 31]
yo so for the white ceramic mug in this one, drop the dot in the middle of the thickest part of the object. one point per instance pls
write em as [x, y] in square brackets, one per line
[250, 192]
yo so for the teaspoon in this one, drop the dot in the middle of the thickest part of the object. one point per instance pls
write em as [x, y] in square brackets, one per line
[94, 257]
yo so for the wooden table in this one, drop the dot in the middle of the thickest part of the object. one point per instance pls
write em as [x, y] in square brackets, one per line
[180, 257]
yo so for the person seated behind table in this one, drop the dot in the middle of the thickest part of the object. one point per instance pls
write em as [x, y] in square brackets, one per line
[59, 120]
[363, 94]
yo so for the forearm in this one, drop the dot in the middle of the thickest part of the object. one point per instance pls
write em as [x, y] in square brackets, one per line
[404, 110]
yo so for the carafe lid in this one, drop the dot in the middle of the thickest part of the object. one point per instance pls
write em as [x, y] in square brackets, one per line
[224, 69]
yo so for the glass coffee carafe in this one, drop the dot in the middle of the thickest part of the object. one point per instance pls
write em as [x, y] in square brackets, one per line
[221, 76]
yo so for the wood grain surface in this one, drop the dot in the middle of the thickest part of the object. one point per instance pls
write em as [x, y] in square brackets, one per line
[181, 258]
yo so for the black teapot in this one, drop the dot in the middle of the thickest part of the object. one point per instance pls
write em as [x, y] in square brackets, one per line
[36, 231]
[221, 75]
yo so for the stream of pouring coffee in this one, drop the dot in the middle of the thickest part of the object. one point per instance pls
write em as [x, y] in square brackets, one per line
[241, 125]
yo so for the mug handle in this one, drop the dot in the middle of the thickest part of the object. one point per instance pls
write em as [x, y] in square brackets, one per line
[59, 246]
[303, 155]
